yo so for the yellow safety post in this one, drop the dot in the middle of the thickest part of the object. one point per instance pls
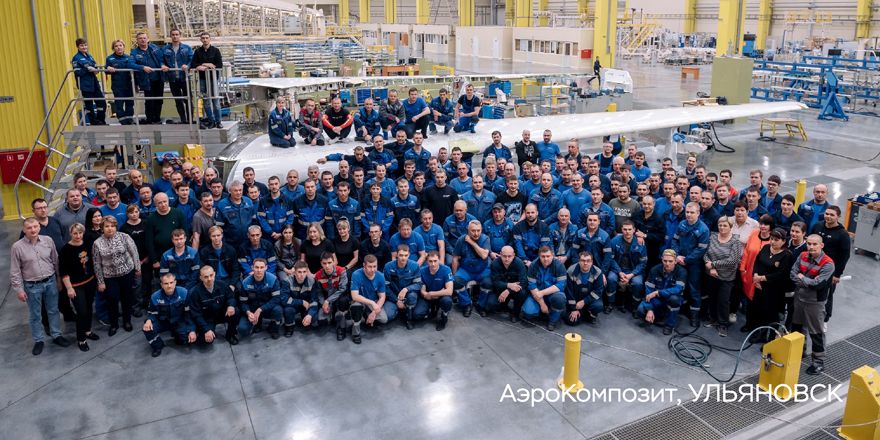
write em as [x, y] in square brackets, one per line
[864, 10]
[466, 12]
[525, 83]
[364, 12]
[800, 192]
[571, 366]
[765, 15]
[611, 107]
[781, 365]
[544, 10]
[410, 71]
[690, 16]
[862, 406]
[605, 32]
[731, 22]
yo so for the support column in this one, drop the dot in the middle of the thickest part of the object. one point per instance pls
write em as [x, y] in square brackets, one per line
[605, 32]
[583, 7]
[863, 18]
[731, 21]
[765, 15]
[522, 13]
[344, 16]
[509, 12]
[423, 11]
[543, 7]
[690, 16]
[466, 13]
[364, 6]
[390, 11]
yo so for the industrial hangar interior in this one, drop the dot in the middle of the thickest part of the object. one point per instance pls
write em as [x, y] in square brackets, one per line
[395, 219]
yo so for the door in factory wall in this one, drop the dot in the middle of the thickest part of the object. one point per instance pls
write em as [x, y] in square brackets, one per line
[475, 46]
[496, 49]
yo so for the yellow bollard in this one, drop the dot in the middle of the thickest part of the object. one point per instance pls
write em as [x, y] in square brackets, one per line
[611, 107]
[800, 193]
[780, 366]
[571, 366]
[862, 406]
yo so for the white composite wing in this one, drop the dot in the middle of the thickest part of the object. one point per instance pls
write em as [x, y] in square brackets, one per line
[268, 160]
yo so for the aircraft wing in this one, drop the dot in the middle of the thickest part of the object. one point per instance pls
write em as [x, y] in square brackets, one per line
[268, 160]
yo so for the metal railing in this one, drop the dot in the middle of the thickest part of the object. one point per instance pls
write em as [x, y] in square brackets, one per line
[66, 155]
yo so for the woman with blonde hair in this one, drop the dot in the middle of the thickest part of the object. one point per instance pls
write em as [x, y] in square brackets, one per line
[314, 246]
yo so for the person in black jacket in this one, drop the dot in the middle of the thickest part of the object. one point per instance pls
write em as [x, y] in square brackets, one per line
[207, 59]
[772, 279]
[222, 258]
[509, 283]
[337, 121]
[837, 246]
[210, 303]
[440, 197]
[526, 150]
[650, 230]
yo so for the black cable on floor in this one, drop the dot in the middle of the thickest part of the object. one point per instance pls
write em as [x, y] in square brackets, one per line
[719, 144]
[774, 140]
[694, 350]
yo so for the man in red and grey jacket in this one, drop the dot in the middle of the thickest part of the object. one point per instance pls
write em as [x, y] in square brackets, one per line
[337, 121]
[812, 274]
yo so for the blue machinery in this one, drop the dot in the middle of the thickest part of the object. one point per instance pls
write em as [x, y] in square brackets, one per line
[825, 83]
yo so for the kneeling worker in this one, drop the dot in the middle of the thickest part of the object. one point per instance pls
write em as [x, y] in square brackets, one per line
[584, 290]
[260, 294]
[281, 125]
[301, 302]
[404, 281]
[436, 291]
[547, 287]
[168, 311]
[212, 302]
[509, 283]
[368, 291]
[664, 287]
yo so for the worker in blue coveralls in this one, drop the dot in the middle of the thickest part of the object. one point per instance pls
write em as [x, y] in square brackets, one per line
[281, 125]
[690, 242]
[152, 84]
[121, 82]
[664, 288]
[442, 112]
[301, 302]
[367, 122]
[547, 278]
[584, 289]
[181, 260]
[168, 311]
[85, 70]
[417, 113]
[467, 111]
[368, 299]
[470, 263]
[260, 297]
[436, 291]
[404, 282]
[176, 55]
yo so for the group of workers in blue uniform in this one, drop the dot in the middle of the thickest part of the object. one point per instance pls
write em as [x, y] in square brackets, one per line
[535, 231]
[384, 119]
[147, 68]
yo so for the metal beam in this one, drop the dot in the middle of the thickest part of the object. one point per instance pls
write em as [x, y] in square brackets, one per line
[522, 13]
[466, 13]
[543, 9]
[364, 6]
[765, 16]
[423, 11]
[690, 16]
[863, 18]
[731, 21]
[605, 32]
[390, 11]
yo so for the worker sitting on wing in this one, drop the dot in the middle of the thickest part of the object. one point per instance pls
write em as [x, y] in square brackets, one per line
[281, 125]
[309, 123]
[467, 111]
[337, 121]
[442, 111]
[367, 123]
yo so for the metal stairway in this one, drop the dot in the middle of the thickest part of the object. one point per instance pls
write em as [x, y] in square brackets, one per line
[68, 146]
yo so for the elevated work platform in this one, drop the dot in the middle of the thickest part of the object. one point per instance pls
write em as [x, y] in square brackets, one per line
[168, 134]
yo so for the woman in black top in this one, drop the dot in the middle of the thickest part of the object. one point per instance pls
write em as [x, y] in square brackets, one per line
[346, 247]
[771, 276]
[136, 229]
[797, 244]
[78, 276]
[92, 226]
[287, 252]
[315, 245]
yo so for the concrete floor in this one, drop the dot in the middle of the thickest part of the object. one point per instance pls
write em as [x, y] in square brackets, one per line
[420, 383]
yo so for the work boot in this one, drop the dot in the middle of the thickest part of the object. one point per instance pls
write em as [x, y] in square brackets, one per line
[356, 339]
[61, 341]
[340, 333]
[815, 369]
[156, 352]
[667, 330]
[288, 331]
[38, 348]
[273, 331]
[232, 339]
[409, 324]
[466, 312]
[441, 323]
